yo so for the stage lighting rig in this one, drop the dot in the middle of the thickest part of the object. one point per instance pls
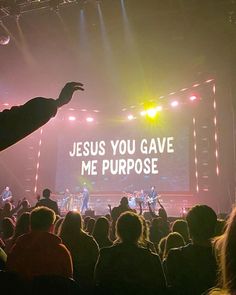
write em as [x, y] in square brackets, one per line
[19, 7]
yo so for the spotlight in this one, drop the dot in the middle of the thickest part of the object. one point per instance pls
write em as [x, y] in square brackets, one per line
[159, 108]
[143, 113]
[151, 113]
[193, 97]
[71, 118]
[89, 119]
[174, 103]
[130, 117]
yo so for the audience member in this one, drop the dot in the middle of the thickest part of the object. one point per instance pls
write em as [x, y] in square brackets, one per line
[126, 267]
[8, 227]
[173, 240]
[47, 202]
[181, 226]
[192, 269]
[57, 226]
[161, 247]
[22, 227]
[157, 232]
[25, 207]
[227, 258]
[101, 232]
[90, 226]
[83, 248]
[40, 252]
[117, 211]
[144, 239]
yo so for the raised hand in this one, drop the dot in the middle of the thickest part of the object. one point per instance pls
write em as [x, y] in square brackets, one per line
[67, 92]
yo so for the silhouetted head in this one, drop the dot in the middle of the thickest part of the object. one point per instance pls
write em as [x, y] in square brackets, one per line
[228, 255]
[25, 204]
[201, 222]
[181, 226]
[72, 223]
[86, 220]
[90, 225]
[124, 201]
[101, 227]
[22, 224]
[173, 240]
[8, 227]
[157, 222]
[7, 207]
[42, 219]
[129, 227]
[46, 193]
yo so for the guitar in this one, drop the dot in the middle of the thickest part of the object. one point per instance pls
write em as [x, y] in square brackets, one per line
[151, 200]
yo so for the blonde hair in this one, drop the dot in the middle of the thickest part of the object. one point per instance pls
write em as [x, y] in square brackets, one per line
[225, 246]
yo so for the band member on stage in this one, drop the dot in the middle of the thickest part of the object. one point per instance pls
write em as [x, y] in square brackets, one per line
[142, 197]
[85, 200]
[152, 198]
[66, 200]
[6, 195]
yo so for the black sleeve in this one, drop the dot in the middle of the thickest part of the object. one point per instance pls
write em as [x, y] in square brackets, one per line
[173, 267]
[159, 277]
[20, 121]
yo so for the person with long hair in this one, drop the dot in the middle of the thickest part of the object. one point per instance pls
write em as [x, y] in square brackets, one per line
[181, 226]
[22, 227]
[126, 267]
[101, 232]
[83, 248]
[226, 247]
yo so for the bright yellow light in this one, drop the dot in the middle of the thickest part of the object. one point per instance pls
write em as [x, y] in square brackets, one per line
[151, 113]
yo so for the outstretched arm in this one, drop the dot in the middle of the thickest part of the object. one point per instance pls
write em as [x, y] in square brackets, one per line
[20, 121]
[109, 207]
[140, 208]
[151, 212]
[162, 207]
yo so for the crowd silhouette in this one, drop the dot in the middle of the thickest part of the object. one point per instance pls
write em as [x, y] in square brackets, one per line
[120, 253]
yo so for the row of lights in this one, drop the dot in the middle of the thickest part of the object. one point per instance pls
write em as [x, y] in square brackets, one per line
[88, 119]
[151, 113]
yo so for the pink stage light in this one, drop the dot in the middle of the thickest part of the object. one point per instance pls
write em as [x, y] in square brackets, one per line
[89, 119]
[174, 103]
[71, 118]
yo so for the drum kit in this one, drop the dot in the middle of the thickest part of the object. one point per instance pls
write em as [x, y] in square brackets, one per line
[137, 198]
[69, 202]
